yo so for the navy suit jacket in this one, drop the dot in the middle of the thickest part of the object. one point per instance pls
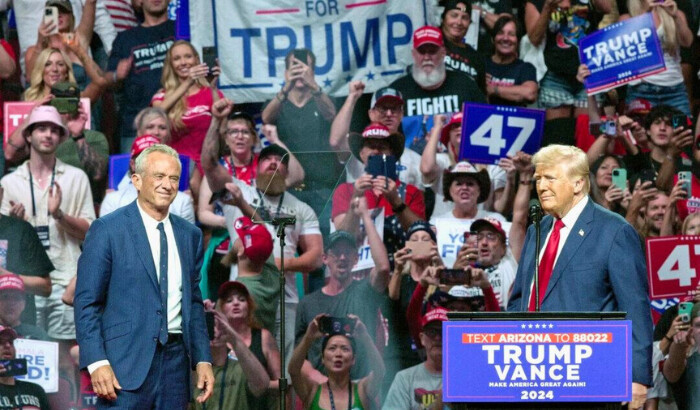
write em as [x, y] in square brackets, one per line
[601, 268]
[117, 302]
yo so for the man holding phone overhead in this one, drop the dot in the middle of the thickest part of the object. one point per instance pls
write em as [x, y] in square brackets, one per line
[377, 149]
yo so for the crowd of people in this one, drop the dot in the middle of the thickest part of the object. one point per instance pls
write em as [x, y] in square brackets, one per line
[362, 186]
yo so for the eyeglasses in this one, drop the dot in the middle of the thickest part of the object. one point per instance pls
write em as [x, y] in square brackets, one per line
[386, 110]
[490, 236]
[233, 133]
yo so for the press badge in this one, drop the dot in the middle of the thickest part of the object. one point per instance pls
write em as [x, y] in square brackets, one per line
[43, 233]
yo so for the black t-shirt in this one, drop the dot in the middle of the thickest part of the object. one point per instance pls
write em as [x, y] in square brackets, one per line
[25, 256]
[507, 75]
[23, 395]
[359, 298]
[420, 105]
[465, 59]
[637, 164]
[564, 31]
[306, 132]
[148, 46]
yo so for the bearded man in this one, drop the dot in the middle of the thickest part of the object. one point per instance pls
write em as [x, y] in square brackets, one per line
[265, 202]
[430, 89]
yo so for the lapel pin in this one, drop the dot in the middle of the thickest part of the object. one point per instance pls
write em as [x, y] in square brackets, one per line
[580, 232]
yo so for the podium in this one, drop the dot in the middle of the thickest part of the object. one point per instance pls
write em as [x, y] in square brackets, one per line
[545, 360]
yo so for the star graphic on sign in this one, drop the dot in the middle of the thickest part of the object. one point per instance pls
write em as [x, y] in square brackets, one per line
[523, 326]
[370, 76]
[348, 79]
[529, 326]
[551, 326]
[537, 326]
[327, 82]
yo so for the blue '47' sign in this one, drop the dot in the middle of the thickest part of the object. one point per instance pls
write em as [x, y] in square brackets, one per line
[491, 132]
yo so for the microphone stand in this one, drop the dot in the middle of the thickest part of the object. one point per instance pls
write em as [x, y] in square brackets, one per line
[536, 215]
[280, 224]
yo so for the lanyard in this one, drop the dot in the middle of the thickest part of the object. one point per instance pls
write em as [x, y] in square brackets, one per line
[31, 187]
[266, 217]
[330, 395]
[232, 167]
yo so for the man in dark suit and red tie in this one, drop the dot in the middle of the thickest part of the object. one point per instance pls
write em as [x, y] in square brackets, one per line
[591, 259]
[138, 308]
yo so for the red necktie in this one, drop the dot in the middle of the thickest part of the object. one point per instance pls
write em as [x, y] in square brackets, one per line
[547, 263]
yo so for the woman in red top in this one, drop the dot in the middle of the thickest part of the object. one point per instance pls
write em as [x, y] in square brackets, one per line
[187, 97]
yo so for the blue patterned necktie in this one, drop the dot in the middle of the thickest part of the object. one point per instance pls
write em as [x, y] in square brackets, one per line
[163, 336]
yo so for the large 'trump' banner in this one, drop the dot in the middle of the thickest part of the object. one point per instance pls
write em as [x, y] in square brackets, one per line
[352, 40]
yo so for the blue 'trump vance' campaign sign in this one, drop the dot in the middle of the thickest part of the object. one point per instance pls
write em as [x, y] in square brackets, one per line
[621, 52]
[537, 361]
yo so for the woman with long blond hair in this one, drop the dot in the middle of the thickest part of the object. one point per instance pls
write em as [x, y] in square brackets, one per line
[187, 97]
[666, 87]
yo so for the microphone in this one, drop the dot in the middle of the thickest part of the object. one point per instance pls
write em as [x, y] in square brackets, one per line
[535, 210]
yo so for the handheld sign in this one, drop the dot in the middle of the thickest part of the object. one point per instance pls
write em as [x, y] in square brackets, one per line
[537, 361]
[673, 265]
[16, 111]
[491, 132]
[620, 53]
[42, 362]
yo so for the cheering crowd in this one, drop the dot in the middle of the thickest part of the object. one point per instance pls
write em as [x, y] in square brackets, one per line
[130, 151]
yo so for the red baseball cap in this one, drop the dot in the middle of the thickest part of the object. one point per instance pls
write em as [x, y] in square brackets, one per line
[639, 106]
[11, 282]
[256, 239]
[141, 143]
[445, 133]
[479, 224]
[232, 286]
[8, 330]
[434, 314]
[427, 35]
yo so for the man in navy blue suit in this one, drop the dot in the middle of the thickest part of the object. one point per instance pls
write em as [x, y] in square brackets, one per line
[138, 307]
[591, 259]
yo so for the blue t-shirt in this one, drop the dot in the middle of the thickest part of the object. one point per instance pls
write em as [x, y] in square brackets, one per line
[508, 75]
[149, 46]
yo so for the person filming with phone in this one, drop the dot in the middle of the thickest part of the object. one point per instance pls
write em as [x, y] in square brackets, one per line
[17, 393]
[682, 368]
[342, 337]
[591, 259]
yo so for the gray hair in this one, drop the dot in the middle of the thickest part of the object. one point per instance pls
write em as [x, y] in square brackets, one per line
[140, 162]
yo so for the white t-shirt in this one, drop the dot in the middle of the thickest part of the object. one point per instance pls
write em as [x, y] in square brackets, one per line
[502, 277]
[306, 224]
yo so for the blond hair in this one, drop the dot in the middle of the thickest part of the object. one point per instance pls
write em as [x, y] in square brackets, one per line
[670, 40]
[687, 221]
[147, 115]
[573, 159]
[36, 89]
[170, 81]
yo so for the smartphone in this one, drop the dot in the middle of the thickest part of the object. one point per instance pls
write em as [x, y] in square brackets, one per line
[301, 55]
[419, 248]
[14, 367]
[647, 174]
[51, 15]
[382, 165]
[470, 240]
[686, 177]
[619, 178]
[224, 195]
[336, 325]
[209, 57]
[608, 128]
[679, 120]
[684, 309]
[455, 277]
[209, 318]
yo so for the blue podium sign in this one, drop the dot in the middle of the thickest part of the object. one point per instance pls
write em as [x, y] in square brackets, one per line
[537, 361]
[491, 132]
[620, 53]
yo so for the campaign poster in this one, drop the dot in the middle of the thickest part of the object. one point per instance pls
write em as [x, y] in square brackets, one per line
[673, 264]
[14, 112]
[492, 132]
[537, 361]
[42, 362]
[621, 52]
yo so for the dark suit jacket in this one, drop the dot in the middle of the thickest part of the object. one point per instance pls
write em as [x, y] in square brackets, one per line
[117, 302]
[601, 268]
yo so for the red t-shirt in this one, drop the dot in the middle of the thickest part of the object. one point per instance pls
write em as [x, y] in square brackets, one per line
[343, 195]
[8, 49]
[197, 117]
[584, 138]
